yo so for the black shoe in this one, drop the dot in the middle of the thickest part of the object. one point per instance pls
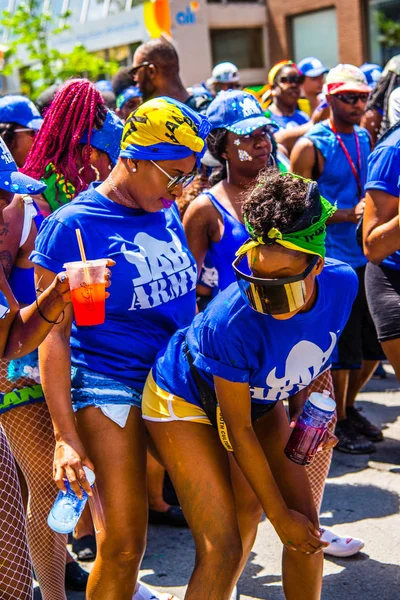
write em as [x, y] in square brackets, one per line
[362, 425]
[75, 577]
[350, 440]
[173, 516]
[85, 548]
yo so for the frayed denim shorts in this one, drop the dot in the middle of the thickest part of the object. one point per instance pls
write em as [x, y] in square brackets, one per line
[95, 389]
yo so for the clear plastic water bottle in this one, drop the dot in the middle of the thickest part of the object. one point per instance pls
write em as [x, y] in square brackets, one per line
[67, 508]
[310, 428]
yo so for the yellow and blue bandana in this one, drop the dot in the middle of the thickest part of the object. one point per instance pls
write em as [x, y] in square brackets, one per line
[164, 129]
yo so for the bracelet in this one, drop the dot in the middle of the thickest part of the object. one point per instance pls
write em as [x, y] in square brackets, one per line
[46, 319]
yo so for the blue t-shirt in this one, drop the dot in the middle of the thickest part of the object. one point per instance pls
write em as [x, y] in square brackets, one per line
[338, 184]
[276, 358]
[297, 118]
[384, 174]
[153, 281]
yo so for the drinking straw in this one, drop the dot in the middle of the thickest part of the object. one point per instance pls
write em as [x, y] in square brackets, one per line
[80, 244]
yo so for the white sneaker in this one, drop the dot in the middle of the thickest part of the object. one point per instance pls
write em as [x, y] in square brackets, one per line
[234, 594]
[145, 593]
[340, 546]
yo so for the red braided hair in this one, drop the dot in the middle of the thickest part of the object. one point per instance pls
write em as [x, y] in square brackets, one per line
[78, 106]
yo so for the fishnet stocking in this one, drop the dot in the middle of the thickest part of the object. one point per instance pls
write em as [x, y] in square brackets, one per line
[318, 470]
[30, 434]
[15, 563]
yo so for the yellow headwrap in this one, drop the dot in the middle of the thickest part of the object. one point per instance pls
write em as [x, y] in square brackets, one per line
[164, 129]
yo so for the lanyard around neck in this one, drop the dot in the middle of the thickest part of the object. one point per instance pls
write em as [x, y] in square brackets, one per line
[356, 171]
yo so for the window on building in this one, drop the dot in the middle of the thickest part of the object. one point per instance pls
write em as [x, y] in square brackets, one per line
[384, 39]
[243, 47]
[315, 34]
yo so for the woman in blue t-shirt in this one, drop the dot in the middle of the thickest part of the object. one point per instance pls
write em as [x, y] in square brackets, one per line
[131, 217]
[382, 243]
[264, 339]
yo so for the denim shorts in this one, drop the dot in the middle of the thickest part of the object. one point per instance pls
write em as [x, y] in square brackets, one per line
[95, 389]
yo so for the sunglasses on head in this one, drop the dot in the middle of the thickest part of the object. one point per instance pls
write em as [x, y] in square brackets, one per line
[352, 98]
[185, 180]
[294, 79]
[273, 296]
[133, 72]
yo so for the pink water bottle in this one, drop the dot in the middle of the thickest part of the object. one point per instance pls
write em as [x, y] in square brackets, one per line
[310, 428]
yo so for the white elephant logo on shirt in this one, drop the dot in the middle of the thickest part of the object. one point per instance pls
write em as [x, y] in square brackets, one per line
[304, 362]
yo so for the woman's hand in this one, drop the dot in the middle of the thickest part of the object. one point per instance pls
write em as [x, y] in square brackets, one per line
[296, 532]
[61, 283]
[69, 459]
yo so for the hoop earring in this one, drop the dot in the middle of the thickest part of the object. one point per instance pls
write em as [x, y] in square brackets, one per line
[95, 169]
[272, 161]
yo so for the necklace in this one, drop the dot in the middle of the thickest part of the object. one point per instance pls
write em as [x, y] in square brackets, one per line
[131, 203]
[356, 171]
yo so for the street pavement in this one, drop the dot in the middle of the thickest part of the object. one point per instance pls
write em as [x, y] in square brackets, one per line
[361, 500]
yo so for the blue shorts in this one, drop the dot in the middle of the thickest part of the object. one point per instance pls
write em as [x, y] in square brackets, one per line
[95, 389]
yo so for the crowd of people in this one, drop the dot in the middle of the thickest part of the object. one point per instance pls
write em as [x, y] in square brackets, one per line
[253, 248]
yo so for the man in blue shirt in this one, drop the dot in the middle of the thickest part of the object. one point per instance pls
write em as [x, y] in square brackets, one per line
[335, 154]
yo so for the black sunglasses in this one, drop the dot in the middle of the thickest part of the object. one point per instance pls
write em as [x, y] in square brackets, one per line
[134, 70]
[352, 98]
[296, 79]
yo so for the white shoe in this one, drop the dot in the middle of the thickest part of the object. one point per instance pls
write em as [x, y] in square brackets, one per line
[234, 594]
[145, 593]
[340, 546]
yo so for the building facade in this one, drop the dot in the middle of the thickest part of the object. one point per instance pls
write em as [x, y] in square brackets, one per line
[333, 30]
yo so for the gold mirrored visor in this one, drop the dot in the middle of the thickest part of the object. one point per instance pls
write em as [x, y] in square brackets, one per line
[273, 296]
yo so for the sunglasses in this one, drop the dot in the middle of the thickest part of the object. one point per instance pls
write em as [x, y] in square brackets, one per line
[293, 79]
[185, 180]
[352, 98]
[33, 132]
[135, 70]
[273, 296]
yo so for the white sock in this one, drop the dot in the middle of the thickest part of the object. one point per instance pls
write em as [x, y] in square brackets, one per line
[145, 593]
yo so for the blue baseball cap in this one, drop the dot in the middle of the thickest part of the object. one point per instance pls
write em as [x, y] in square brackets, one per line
[238, 112]
[131, 92]
[372, 73]
[21, 110]
[311, 67]
[104, 85]
[108, 138]
[12, 180]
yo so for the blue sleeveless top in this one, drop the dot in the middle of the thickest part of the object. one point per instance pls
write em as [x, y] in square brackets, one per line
[338, 184]
[222, 253]
[22, 281]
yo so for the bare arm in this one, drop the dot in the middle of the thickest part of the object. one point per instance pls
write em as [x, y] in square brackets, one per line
[55, 369]
[11, 222]
[302, 163]
[289, 137]
[250, 456]
[381, 235]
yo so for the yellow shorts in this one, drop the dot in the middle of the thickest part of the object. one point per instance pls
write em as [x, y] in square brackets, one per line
[159, 405]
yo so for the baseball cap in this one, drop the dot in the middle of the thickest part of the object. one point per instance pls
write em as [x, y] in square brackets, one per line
[372, 73]
[311, 67]
[21, 110]
[238, 112]
[108, 138]
[346, 78]
[131, 92]
[104, 85]
[11, 180]
[225, 72]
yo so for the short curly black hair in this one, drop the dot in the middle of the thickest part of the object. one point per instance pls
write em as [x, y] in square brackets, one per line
[275, 200]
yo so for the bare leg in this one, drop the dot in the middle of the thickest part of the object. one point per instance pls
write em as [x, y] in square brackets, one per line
[119, 457]
[207, 499]
[358, 378]
[30, 433]
[392, 351]
[341, 385]
[16, 567]
[155, 482]
[85, 524]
